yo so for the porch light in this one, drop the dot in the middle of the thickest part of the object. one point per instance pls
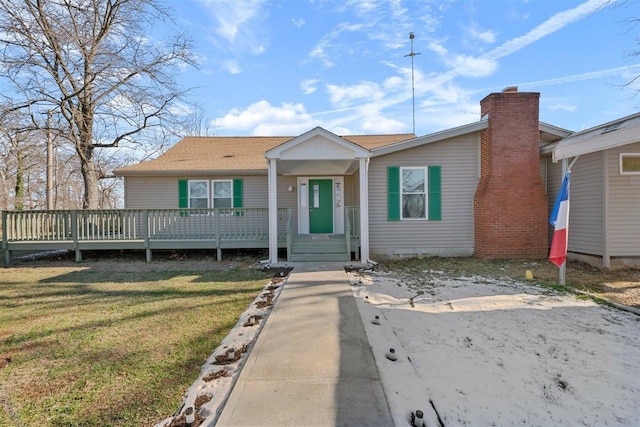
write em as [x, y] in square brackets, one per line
[290, 189]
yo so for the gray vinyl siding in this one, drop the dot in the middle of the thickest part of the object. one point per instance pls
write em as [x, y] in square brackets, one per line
[624, 206]
[553, 182]
[356, 189]
[286, 198]
[586, 211]
[586, 205]
[162, 192]
[151, 193]
[453, 235]
[543, 170]
[348, 191]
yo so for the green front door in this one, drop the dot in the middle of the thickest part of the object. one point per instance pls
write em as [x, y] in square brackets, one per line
[320, 206]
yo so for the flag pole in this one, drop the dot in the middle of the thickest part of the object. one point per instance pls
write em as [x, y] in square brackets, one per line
[562, 271]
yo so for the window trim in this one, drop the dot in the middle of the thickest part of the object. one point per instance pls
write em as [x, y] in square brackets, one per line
[425, 192]
[189, 192]
[213, 197]
[622, 155]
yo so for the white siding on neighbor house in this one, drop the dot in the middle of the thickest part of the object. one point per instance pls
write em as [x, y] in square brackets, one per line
[624, 206]
[586, 211]
[453, 235]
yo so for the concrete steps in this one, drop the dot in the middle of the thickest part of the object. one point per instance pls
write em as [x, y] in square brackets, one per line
[319, 248]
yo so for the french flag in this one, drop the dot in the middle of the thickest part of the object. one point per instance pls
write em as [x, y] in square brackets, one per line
[560, 221]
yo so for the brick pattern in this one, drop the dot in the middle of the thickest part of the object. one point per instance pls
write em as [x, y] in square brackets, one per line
[510, 204]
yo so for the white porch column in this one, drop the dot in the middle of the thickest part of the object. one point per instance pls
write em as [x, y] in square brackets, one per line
[273, 211]
[364, 210]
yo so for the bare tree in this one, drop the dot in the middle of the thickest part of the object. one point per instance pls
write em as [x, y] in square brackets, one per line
[22, 167]
[93, 65]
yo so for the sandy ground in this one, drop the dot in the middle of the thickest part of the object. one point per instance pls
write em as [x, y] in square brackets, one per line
[484, 352]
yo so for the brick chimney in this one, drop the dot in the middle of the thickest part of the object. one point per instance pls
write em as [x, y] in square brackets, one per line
[510, 204]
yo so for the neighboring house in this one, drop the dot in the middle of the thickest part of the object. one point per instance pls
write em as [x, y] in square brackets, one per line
[604, 222]
[476, 189]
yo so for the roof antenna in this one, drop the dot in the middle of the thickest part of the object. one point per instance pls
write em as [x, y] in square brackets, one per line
[413, 81]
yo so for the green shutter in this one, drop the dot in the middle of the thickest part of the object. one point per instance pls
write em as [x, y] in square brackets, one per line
[393, 193]
[435, 193]
[237, 193]
[183, 195]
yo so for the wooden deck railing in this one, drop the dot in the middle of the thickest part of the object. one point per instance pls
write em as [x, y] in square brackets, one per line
[140, 229]
[150, 229]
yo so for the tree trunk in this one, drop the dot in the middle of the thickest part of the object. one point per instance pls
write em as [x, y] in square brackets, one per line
[19, 188]
[90, 179]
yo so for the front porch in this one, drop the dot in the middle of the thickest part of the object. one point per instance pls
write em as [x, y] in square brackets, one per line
[158, 229]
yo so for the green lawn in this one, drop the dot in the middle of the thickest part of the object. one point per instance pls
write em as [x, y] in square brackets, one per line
[92, 347]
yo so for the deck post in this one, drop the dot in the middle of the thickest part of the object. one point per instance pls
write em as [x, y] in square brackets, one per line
[74, 235]
[273, 211]
[217, 231]
[146, 230]
[5, 239]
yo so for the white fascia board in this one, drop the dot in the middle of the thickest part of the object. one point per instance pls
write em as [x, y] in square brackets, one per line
[613, 134]
[431, 138]
[554, 130]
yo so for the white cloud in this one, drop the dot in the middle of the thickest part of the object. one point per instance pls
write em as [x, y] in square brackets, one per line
[394, 82]
[437, 48]
[320, 50]
[469, 66]
[477, 33]
[308, 86]
[627, 70]
[235, 18]
[383, 125]
[565, 107]
[262, 118]
[298, 22]
[551, 25]
[345, 95]
[487, 36]
[233, 67]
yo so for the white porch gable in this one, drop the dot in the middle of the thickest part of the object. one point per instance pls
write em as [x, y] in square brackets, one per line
[317, 152]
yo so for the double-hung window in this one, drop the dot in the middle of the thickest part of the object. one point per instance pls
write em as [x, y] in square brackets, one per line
[203, 194]
[414, 193]
[198, 194]
[222, 194]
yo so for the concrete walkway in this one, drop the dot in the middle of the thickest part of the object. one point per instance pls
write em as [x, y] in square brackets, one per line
[312, 364]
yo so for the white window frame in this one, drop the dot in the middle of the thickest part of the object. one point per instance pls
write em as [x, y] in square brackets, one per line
[189, 182]
[425, 170]
[622, 155]
[213, 181]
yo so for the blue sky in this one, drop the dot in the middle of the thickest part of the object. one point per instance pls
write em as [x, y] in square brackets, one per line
[282, 67]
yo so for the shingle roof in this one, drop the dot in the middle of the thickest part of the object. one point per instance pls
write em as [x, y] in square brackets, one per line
[229, 154]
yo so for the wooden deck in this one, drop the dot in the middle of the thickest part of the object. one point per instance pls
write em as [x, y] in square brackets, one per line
[149, 229]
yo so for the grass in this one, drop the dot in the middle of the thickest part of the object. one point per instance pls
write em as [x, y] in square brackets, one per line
[104, 347]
